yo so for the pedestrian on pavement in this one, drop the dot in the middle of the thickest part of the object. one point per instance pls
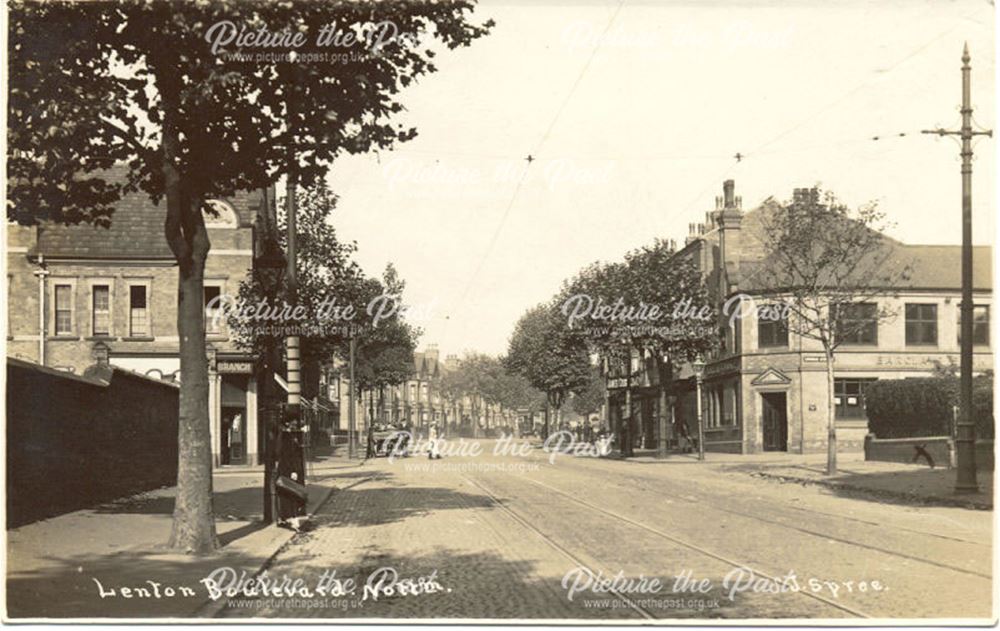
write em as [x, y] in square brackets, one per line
[434, 450]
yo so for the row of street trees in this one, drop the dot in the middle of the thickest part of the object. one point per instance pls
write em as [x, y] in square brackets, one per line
[483, 382]
[606, 315]
[822, 268]
[338, 302]
[92, 85]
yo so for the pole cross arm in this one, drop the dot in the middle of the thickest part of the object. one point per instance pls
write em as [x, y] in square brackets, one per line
[957, 132]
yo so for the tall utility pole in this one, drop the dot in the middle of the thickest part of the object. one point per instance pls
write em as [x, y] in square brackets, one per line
[965, 439]
[292, 341]
[352, 393]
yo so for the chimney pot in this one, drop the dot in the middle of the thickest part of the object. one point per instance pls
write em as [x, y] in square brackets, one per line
[728, 187]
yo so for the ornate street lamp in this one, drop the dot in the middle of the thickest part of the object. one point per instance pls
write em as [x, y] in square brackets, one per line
[698, 366]
[269, 269]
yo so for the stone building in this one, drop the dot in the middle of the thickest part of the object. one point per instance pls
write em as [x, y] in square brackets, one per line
[766, 390]
[80, 295]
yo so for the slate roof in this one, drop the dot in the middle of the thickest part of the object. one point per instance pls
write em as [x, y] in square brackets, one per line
[136, 232]
[940, 266]
[931, 267]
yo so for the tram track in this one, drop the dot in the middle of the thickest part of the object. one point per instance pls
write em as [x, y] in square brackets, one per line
[823, 535]
[520, 519]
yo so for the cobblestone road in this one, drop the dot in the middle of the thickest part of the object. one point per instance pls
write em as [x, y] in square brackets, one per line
[494, 536]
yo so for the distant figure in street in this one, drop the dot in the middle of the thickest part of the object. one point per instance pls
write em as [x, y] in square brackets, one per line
[434, 450]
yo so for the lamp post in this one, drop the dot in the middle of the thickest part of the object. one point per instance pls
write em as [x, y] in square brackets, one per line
[269, 268]
[698, 366]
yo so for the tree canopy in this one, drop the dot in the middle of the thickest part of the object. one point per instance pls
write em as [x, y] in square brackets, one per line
[146, 84]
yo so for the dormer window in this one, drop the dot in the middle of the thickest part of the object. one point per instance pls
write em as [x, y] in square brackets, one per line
[219, 214]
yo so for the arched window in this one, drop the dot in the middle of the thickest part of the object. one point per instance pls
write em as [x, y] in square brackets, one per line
[219, 214]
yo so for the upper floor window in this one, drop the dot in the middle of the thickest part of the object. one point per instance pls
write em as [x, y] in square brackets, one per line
[921, 324]
[213, 309]
[63, 305]
[772, 326]
[101, 310]
[138, 311]
[856, 323]
[980, 325]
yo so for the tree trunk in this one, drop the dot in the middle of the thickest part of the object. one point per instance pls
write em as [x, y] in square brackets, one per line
[545, 426]
[193, 528]
[664, 371]
[831, 420]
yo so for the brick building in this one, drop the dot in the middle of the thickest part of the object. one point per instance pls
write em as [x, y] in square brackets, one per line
[79, 295]
[767, 391]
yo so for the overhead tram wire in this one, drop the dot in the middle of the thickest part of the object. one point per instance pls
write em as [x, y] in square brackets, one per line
[531, 156]
[513, 198]
[855, 89]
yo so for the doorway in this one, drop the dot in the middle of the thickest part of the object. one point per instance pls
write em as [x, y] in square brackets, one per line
[775, 421]
[234, 433]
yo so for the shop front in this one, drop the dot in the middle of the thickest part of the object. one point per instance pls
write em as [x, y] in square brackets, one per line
[236, 439]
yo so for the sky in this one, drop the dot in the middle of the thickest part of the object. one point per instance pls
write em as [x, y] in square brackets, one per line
[633, 113]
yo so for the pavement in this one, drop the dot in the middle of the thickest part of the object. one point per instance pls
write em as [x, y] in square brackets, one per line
[913, 484]
[910, 484]
[67, 566]
[500, 532]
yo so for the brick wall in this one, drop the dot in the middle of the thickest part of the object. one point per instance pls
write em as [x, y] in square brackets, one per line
[902, 449]
[76, 441]
[940, 448]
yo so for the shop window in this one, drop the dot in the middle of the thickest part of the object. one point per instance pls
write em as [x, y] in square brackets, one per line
[729, 405]
[849, 398]
[921, 324]
[772, 326]
[980, 325]
[63, 306]
[101, 310]
[857, 323]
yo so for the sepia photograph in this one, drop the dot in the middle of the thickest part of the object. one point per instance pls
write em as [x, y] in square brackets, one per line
[499, 312]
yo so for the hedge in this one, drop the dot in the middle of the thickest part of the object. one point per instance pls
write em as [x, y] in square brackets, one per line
[905, 408]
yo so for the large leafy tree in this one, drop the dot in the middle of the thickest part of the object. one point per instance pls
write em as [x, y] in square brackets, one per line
[549, 355]
[589, 398]
[654, 276]
[826, 266]
[385, 341]
[136, 82]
